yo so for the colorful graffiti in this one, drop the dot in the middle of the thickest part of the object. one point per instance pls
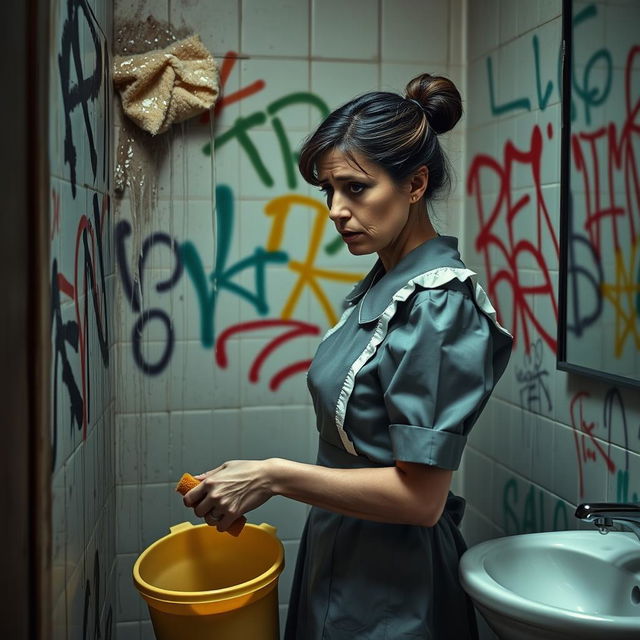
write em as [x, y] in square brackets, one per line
[529, 513]
[226, 279]
[607, 171]
[86, 289]
[504, 249]
[594, 439]
[532, 378]
[95, 631]
[82, 88]
[590, 87]
[86, 88]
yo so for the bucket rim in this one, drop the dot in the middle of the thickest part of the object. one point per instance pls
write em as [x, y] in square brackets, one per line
[211, 595]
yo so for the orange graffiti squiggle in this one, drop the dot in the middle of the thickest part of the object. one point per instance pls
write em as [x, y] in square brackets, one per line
[309, 275]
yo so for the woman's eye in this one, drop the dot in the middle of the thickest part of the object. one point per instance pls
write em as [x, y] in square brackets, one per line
[356, 188]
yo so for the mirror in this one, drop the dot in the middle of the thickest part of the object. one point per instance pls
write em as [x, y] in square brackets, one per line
[599, 287]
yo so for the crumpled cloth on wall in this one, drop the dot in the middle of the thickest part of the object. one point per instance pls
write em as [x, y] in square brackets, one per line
[169, 85]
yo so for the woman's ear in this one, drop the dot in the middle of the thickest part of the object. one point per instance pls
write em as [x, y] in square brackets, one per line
[418, 183]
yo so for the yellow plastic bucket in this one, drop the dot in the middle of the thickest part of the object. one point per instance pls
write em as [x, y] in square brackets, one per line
[203, 584]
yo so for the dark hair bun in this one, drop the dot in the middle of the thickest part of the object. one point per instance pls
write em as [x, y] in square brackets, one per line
[439, 98]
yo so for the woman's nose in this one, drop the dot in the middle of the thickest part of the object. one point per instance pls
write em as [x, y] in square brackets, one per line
[338, 208]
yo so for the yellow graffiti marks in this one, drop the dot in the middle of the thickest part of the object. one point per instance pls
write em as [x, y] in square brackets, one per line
[623, 295]
[309, 275]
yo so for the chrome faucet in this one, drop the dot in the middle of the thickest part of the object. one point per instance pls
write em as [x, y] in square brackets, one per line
[606, 515]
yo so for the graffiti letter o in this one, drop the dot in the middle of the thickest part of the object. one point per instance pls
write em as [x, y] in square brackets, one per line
[152, 369]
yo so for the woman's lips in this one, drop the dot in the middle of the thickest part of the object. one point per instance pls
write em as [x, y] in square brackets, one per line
[350, 236]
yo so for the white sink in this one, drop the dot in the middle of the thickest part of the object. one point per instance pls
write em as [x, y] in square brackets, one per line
[561, 585]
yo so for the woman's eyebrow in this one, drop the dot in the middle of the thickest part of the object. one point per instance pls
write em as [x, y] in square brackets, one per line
[345, 177]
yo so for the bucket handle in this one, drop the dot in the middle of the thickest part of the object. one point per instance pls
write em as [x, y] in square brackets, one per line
[268, 528]
[180, 527]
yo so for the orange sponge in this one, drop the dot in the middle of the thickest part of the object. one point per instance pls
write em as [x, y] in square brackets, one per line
[188, 482]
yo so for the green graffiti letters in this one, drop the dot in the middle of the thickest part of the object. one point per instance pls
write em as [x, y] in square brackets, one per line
[241, 127]
[221, 277]
[530, 516]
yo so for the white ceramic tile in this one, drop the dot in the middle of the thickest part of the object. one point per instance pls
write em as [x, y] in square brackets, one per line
[482, 27]
[478, 481]
[394, 76]
[279, 28]
[541, 453]
[457, 34]
[154, 508]
[476, 528]
[286, 577]
[191, 384]
[58, 535]
[508, 20]
[415, 31]
[203, 440]
[185, 170]
[528, 16]
[565, 472]
[216, 22]
[549, 9]
[137, 391]
[521, 440]
[89, 453]
[288, 516]
[143, 448]
[481, 436]
[506, 497]
[128, 519]
[271, 432]
[502, 429]
[339, 82]
[333, 25]
[477, 102]
[140, 9]
[74, 510]
[75, 602]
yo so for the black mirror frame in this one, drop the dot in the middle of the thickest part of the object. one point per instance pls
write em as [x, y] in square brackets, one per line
[565, 212]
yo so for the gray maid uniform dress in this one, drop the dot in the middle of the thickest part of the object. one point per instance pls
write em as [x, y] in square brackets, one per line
[403, 376]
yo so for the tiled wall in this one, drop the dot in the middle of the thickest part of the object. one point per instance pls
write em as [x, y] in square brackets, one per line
[82, 321]
[548, 440]
[207, 378]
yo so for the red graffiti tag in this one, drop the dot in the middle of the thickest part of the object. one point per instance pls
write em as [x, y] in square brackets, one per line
[492, 241]
[225, 100]
[299, 328]
[588, 448]
[604, 149]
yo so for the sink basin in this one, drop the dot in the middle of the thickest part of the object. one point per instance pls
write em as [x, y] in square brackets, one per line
[558, 585]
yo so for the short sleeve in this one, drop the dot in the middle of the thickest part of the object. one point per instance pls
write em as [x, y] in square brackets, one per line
[436, 373]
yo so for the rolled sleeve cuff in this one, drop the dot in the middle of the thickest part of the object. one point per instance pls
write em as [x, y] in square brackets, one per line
[427, 446]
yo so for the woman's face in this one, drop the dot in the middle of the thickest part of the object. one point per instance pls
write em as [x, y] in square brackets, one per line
[370, 210]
